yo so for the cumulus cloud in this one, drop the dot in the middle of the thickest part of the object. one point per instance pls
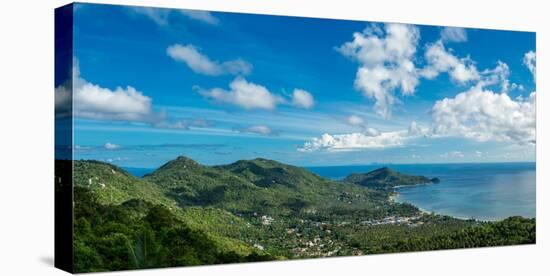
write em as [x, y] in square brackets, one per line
[248, 95]
[202, 64]
[386, 63]
[244, 94]
[302, 99]
[484, 115]
[454, 34]
[92, 101]
[357, 121]
[440, 60]
[530, 60]
[63, 100]
[367, 140]
[162, 16]
[121, 104]
[196, 61]
[463, 70]
[257, 129]
[416, 129]
[111, 146]
[353, 142]
[498, 76]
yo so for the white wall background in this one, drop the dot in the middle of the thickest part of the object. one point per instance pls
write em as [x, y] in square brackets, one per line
[26, 136]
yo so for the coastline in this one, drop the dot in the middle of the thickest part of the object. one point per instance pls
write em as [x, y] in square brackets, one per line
[394, 198]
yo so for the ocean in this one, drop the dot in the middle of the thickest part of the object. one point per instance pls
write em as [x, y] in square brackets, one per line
[484, 191]
[487, 191]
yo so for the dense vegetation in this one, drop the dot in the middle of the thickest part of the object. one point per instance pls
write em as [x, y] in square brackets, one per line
[185, 213]
[386, 178]
[139, 234]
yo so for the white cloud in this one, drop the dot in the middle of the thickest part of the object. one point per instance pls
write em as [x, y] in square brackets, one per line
[369, 139]
[244, 94]
[111, 146]
[92, 101]
[63, 100]
[463, 70]
[484, 115]
[174, 125]
[162, 16]
[198, 62]
[386, 63]
[355, 120]
[454, 34]
[453, 154]
[159, 16]
[185, 124]
[124, 104]
[479, 153]
[237, 67]
[530, 60]
[515, 86]
[498, 75]
[116, 159]
[302, 99]
[201, 64]
[203, 16]
[258, 129]
[353, 142]
[417, 130]
[200, 122]
[248, 95]
[440, 60]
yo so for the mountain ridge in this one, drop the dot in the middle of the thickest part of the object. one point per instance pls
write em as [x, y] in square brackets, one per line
[256, 185]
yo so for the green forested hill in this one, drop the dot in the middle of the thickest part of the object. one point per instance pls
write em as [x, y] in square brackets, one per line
[267, 187]
[386, 178]
[112, 185]
[109, 197]
[140, 234]
[185, 213]
[267, 173]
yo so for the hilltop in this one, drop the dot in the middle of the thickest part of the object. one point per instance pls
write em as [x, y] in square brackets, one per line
[267, 173]
[261, 186]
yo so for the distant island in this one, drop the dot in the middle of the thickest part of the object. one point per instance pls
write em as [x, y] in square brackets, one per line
[386, 178]
[186, 213]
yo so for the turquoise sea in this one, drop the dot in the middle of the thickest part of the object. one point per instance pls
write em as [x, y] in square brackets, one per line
[487, 191]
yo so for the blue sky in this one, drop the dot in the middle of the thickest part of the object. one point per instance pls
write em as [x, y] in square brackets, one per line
[153, 84]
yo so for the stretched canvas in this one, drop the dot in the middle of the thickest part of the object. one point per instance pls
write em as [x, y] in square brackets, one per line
[187, 137]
